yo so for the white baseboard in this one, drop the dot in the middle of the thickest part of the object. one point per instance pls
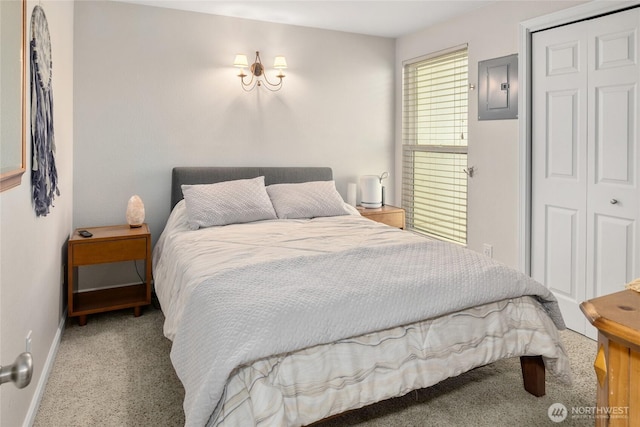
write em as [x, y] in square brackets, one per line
[46, 370]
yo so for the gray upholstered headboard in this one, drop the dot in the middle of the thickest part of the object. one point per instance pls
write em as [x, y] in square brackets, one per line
[272, 175]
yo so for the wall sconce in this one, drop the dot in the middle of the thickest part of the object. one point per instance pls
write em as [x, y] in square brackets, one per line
[258, 74]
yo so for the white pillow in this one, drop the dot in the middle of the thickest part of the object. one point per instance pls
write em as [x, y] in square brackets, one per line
[228, 202]
[306, 200]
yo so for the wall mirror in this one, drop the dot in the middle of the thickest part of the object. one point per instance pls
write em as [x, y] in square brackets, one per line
[12, 93]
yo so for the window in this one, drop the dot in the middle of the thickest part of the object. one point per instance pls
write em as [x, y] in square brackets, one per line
[434, 141]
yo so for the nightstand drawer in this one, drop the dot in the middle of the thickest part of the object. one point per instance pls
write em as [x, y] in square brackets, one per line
[112, 251]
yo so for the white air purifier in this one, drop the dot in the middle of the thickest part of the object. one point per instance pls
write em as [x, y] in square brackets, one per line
[371, 187]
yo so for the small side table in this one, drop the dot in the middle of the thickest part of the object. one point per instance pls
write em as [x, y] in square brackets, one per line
[387, 214]
[617, 364]
[107, 245]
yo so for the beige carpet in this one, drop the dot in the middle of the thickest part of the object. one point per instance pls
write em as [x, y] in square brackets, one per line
[115, 371]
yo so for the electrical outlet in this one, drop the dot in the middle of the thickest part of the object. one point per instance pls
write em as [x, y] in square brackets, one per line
[28, 342]
[487, 250]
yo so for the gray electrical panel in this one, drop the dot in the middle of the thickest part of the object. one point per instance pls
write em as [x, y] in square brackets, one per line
[498, 88]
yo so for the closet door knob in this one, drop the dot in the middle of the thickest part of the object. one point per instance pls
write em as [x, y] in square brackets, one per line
[613, 201]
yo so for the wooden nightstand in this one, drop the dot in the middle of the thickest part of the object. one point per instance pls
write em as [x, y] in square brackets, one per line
[108, 244]
[617, 364]
[387, 214]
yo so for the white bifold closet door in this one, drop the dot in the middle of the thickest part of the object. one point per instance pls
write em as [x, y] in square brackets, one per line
[585, 160]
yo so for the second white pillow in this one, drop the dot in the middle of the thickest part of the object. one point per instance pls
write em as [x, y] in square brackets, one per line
[306, 200]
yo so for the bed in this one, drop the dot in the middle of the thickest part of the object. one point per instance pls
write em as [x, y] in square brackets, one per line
[286, 307]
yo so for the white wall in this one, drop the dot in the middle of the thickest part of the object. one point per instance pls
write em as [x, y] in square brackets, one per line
[155, 88]
[32, 248]
[490, 32]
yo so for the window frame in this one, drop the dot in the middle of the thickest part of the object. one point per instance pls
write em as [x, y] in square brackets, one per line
[413, 143]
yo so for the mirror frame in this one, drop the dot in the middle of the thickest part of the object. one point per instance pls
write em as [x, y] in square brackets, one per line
[13, 178]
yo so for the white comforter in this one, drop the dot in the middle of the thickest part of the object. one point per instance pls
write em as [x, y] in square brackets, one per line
[235, 294]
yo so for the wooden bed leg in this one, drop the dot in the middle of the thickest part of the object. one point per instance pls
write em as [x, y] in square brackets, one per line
[533, 374]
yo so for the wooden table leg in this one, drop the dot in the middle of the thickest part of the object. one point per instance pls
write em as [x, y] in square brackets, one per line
[634, 397]
[82, 320]
[137, 311]
[618, 376]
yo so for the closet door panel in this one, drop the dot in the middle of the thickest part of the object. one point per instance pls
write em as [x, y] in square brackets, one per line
[585, 160]
[559, 167]
[613, 200]
[614, 253]
[561, 268]
[562, 139]
[615, 135]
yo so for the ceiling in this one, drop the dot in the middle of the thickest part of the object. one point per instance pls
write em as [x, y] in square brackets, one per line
[376, 18]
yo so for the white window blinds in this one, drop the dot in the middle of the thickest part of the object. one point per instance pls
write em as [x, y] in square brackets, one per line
[434, 137]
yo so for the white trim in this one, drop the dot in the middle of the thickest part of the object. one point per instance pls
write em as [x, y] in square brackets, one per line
[561, 17]
[434, 54]
[46, 371]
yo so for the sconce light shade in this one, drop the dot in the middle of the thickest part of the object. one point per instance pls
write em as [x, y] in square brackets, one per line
[280, 63]
[258, 75]
[241, 61]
